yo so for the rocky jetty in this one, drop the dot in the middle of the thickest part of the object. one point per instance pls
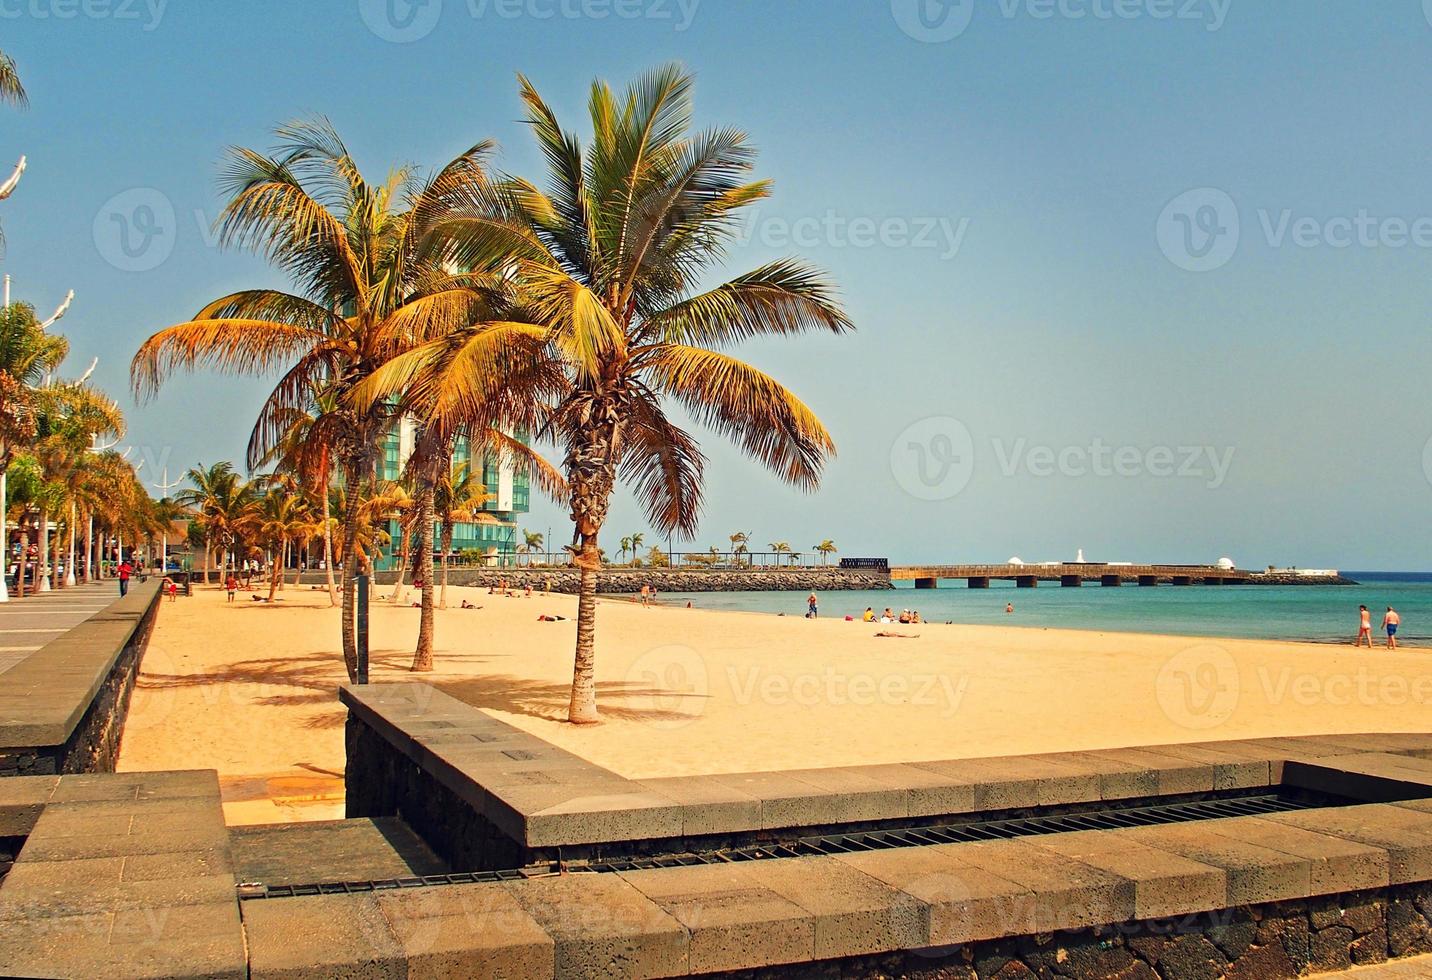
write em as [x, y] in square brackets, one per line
[1297, 578]
[665, 580]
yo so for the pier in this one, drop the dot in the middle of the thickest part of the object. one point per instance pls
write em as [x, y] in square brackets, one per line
[1071, 574]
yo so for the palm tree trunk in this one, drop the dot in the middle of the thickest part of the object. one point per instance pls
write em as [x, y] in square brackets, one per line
[582, 709]
[405, 546]
[423, 656]
[328, 543]
[276, 576]
[24, 554]
[298, 563]
[351, 517]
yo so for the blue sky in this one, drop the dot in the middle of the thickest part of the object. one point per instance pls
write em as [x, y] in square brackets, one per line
[1146, 277]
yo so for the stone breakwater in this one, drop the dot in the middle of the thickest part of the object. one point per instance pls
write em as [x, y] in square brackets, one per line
[1292, 578]
[619, 581]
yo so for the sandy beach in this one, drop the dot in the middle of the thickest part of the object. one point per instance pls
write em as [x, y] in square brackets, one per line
[249, 689]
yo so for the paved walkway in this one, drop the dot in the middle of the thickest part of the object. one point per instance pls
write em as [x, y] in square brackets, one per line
[28, 624]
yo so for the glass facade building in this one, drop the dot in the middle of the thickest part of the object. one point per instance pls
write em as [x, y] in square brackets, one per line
[495, 539]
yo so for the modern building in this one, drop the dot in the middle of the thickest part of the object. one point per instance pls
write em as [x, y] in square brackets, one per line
[494, 536]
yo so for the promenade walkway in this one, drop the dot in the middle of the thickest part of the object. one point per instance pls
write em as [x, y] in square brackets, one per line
[28, 624]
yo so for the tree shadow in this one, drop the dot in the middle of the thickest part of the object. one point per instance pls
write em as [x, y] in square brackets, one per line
[623, 700]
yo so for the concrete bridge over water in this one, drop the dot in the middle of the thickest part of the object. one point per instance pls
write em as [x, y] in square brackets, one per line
[1071, 574]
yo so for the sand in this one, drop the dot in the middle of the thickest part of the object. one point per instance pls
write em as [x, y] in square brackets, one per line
[249, 689]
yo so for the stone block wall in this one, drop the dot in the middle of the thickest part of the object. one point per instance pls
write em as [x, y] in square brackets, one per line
[1258, 942]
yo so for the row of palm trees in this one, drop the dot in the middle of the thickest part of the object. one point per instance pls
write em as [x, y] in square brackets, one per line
[62, 495]
[481, 305]
[740, 547]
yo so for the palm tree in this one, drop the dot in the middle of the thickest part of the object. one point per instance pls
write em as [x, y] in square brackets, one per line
[282, 517]
[28, 355]
[605, 328]
[826, 549]
[457, 498]
[739, 542]
[532, 541]
[306, 450]
[362, 276]
[780, 548]
[228, 505]
[208, 485]
[625, 547]
[636, 541]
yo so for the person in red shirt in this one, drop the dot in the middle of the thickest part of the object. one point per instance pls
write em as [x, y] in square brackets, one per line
[125, 569]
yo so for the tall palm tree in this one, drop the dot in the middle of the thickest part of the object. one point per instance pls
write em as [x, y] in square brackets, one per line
[636, 540]
[780, 548]
[625, 546]
[606, 327]
[207, 486]
[228, 504]
[361, 277]
[826, 549]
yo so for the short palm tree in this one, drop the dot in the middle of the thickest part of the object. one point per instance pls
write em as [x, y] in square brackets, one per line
[826, 549]
[780, 548]
[607, 328]
[458, 498]
[532, 541]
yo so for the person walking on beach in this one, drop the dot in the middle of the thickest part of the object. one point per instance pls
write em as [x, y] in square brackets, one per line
[813, 607]
[645, 594]
[125, 570]
[1390, 621]
[232, 585]
[1364, 628]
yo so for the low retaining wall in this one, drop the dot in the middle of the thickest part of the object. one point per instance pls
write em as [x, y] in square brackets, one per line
[620, 581]
[62, 709]
[1254, 942]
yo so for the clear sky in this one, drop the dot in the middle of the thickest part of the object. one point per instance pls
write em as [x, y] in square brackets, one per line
[1059, 346]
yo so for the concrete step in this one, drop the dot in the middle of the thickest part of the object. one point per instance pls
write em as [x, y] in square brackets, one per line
[324, 851]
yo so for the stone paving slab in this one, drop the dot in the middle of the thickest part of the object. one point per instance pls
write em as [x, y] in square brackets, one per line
[124, 875]
[601, 925]
[330, 851]
[734, 923]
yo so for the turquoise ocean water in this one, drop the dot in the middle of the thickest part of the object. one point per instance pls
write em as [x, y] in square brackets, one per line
[1323, 614]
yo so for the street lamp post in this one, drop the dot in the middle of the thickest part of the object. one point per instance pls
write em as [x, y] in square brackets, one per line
[164, 487]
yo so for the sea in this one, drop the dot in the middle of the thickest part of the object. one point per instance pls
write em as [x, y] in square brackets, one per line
[1316, 613]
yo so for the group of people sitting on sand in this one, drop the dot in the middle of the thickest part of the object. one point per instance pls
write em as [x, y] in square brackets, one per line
[907, 616]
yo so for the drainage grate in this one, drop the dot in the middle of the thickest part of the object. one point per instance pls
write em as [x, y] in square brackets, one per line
[968, 832]
[1111, 818]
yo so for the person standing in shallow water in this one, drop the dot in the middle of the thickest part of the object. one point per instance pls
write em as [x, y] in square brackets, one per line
[1390, 621]
[813, 607]
[1364, 628]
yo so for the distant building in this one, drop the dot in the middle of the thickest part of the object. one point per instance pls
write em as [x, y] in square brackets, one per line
[495, 535]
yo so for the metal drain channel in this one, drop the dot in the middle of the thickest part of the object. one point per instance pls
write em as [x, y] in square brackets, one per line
[871, 840]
